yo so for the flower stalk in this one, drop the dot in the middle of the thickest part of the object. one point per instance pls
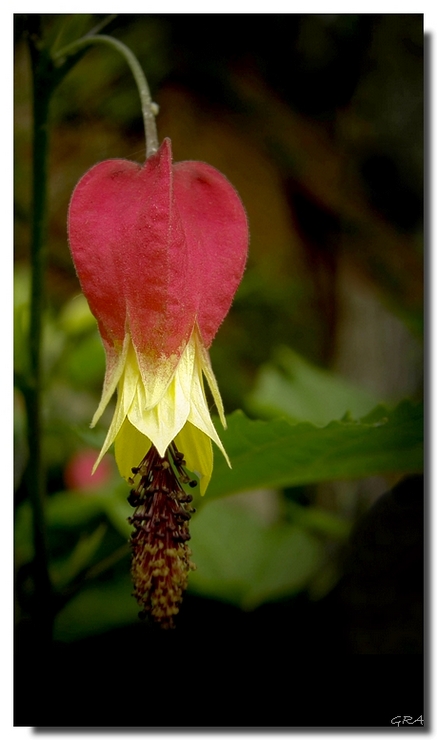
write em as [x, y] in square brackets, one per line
[148, 108]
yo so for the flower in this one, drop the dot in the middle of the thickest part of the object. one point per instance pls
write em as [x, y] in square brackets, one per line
[160, 250]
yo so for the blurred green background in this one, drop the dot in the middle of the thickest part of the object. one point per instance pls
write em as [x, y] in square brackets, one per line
[317, 120]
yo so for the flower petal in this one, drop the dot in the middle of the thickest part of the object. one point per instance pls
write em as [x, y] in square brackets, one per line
[130, 448]
[130, 251]
[217, 235]
[165, 419]
[200, 416]
[209, 374]
[198, 454]
[127, 389]
[115, 363]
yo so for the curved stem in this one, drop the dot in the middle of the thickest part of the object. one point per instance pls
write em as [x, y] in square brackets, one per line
[148, 108]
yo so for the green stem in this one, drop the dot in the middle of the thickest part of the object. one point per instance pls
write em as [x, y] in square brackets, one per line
[148, 108]
[42, 88]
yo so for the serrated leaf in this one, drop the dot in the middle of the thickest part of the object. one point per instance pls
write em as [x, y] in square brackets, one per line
[279, 453]
[290, 385]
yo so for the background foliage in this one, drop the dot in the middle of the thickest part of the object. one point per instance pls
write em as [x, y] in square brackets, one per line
[317, 121]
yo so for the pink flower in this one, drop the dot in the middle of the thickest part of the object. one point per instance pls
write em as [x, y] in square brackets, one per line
[160, 250]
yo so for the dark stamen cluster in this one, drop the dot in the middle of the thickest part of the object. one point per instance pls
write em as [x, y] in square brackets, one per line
[160, 555]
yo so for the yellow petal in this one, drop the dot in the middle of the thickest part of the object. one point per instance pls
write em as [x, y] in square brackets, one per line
[198, 453]
[162, 423]
[115, 362]
[199, 412]
[209, 374]
[157, 375]
[181, 412]
[130, 448]
[126, 392]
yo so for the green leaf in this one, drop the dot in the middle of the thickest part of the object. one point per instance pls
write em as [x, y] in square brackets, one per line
[79, 558]
[279, 453]
[72, 509]
[241, 560]
[292, 386]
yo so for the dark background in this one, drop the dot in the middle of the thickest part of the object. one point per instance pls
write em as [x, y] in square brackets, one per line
[318, 122]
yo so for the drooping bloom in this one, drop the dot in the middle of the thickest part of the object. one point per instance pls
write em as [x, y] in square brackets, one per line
[160, 250]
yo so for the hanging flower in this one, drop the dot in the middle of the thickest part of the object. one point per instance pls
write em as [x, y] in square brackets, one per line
[160, 250]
